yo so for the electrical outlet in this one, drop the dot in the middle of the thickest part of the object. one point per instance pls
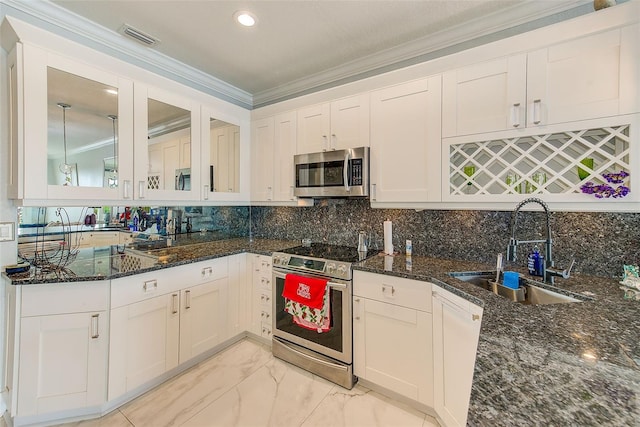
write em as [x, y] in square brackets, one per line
[7, 231]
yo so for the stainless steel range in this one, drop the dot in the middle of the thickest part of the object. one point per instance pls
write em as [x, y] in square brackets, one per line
[328, 353]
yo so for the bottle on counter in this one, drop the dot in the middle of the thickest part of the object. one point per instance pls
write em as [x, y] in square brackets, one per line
[535, 262]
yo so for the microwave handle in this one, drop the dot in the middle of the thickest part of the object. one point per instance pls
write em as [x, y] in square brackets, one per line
[345, 171]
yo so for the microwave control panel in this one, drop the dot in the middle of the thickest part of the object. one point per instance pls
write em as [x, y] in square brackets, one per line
[356, 172]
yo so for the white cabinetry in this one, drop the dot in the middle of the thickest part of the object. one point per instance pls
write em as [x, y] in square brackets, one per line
[261, 307]
[33, 157]
[392, 334]
[343, 123]
[273, 148]
[59, 338]
[164, 318]
[405, 142]
[225, 153]
[456, 328]
[587, 78]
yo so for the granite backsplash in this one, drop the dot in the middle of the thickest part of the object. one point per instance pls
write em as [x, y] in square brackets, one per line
[600, 242]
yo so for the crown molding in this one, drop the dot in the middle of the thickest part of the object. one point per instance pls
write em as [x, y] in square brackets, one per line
[509, 18]
[52, 17]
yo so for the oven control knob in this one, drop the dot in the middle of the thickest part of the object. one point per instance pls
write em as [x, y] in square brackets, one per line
[331, 268]
[342, 269]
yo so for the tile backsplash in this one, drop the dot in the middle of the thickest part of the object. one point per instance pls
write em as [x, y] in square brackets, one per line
[600, 242]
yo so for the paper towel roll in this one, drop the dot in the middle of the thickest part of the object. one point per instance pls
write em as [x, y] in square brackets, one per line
[388, 238]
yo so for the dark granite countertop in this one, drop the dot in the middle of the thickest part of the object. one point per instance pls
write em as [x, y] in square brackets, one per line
[547, 365]
[560, 364]
[97, 263]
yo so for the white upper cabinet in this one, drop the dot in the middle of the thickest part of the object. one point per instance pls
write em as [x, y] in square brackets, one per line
[484, 97]
[405, 142]
[71, 129]
[586, 78]
[86, 127]
[273, 148]
[173, 122]
[340, 124]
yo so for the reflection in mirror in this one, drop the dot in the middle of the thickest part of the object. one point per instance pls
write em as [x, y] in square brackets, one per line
[224, 169]
[80, 132]
[169, 147]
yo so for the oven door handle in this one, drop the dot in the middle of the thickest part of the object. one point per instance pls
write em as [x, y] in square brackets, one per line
[323, 362]
[334, 285]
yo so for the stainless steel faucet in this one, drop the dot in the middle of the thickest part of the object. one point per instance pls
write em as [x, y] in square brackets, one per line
[548, 272]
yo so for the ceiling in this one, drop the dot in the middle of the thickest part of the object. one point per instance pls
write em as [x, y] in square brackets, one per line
[299, 47]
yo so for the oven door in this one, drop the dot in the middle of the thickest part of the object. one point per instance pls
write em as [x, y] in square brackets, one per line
[335, 343]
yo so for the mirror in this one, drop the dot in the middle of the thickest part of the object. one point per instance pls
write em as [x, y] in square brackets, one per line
[169, 147]
[81, 130]
[224, 166]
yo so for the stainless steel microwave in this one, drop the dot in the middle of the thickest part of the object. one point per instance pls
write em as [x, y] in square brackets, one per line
[339, 173]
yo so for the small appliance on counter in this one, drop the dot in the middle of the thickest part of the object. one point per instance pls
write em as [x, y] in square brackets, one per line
[21, 267]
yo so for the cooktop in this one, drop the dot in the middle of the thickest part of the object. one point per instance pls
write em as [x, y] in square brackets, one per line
[327, 252]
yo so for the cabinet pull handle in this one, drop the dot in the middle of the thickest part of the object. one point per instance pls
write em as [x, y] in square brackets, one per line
[325, 143]
[515, 115]
[292, 197]
[126, 189]
[174, 304]
[148, 284]
[475, 317]
[373, 192]
[205, 196]
[537, 104]
[357, 300]
[385, 287]
[334, 141]
[187, 302]
[141, 189]
[95, 334]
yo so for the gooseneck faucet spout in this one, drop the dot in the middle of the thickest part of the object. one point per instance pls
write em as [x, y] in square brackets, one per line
[548, 273]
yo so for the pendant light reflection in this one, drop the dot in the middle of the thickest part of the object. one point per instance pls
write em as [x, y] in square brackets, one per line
[65, 167]
[113, 181]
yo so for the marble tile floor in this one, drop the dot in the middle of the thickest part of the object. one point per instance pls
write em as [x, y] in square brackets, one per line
[245, 385]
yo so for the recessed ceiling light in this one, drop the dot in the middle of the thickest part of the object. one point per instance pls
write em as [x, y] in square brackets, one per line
[245, 18]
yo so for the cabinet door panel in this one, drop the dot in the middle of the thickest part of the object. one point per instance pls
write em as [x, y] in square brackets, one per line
[393, 348]
[145, 343]
[62, 362]
[203, 317]
[485, 97]
[285, 149]
[262, 160]
[313, 128]
[577, 80]
[350, 122]
[405, 142]
[455, 338]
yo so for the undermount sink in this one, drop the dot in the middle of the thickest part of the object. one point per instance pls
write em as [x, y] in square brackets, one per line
[530, 292]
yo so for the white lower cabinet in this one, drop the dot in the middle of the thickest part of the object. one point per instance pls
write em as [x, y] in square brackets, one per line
[416, 339]
[392, 329]
[456, 329]
[164, 318]
[203, 317]
[58, 341]
[261, 307]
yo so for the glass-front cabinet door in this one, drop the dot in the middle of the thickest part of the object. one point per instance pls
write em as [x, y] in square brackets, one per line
[75, 123]
[167, 144]
[224, 149]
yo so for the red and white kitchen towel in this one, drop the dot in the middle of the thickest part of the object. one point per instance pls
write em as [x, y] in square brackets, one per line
[307, 300]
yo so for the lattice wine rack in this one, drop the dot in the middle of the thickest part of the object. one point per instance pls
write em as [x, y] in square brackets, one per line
[554, 163]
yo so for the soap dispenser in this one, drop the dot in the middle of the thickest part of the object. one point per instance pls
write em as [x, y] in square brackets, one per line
[535, 262]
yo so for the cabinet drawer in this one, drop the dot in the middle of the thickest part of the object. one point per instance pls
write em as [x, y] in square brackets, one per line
[53, 298]
[393, 290]
[131, 289]
[205, 271]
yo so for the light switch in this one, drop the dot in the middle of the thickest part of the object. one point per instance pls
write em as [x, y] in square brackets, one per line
[6, 231]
